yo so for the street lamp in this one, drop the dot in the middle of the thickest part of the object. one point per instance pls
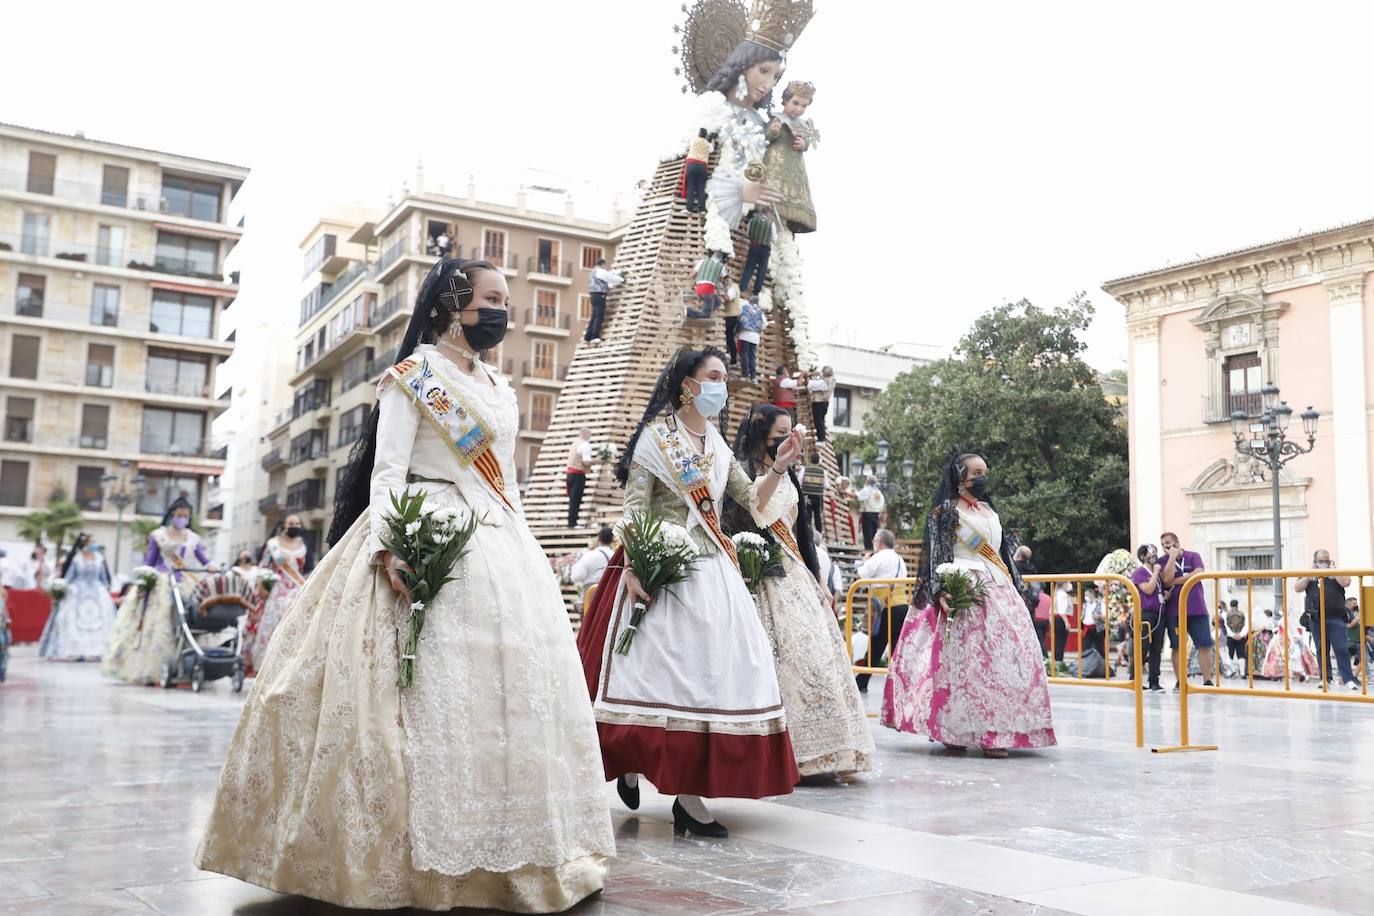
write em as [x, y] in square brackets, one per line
[881, 465]
[122, 494]
[1267, 441]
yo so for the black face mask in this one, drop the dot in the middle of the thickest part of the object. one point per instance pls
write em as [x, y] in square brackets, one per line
[294, 532]
[978, 486]
[489, 330]
[774, 445]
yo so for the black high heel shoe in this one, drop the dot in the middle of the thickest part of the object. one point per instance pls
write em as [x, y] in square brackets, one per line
[685, 823]
[628, 795]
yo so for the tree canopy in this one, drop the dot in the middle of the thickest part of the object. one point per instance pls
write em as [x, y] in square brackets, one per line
[1017, 391]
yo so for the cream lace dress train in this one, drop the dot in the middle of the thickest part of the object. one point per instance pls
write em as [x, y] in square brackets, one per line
[481, 785]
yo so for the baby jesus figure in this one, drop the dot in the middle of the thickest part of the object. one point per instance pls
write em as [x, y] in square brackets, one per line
[790, 135]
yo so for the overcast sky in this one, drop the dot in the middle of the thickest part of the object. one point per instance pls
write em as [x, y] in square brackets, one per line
[970, 153]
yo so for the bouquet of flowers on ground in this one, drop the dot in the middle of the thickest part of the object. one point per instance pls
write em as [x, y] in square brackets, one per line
[962, 590]
[660, 554]
[756, 556]
[57, 588]
[144, 578]
[606, 453]
[431, 544]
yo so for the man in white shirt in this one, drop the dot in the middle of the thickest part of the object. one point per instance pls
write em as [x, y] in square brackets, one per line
[885, 563]
[871, 505]
[580, 461]
[589, 567]
[599, 284]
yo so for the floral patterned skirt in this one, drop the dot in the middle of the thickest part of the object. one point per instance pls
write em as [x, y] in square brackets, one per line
[976, 681]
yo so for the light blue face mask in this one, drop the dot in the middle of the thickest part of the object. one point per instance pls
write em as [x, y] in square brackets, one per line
[711, 401]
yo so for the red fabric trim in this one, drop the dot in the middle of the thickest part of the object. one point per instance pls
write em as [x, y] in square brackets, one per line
[574, 471]
[708, 764]
[591, 636]
[706, 289]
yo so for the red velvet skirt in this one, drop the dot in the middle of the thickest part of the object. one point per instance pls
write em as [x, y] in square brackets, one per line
[678, 761]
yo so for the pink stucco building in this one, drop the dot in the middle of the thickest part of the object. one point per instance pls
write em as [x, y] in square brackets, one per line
[1205, 336]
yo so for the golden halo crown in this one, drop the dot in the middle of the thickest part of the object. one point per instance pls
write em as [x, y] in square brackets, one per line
[800, 89]
[777, 24]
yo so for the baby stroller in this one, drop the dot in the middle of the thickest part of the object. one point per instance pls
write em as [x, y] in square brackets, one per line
[217, 603]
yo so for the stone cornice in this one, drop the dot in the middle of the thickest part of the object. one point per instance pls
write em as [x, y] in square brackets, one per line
[1264, 269]
[1345, 290]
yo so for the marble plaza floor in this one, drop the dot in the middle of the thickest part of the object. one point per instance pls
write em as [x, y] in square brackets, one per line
[104, 787]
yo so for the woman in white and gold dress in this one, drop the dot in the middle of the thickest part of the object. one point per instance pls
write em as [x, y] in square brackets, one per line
[825, 714]
[480, 785]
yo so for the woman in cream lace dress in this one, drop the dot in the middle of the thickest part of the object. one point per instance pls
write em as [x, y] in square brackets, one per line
[825, 714]
[478, 786]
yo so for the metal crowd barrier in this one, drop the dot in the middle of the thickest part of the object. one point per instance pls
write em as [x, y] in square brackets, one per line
[904, 587]
[1283, 629]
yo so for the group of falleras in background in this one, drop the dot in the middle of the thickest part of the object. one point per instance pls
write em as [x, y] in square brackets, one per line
[133, 639]
[483, 782]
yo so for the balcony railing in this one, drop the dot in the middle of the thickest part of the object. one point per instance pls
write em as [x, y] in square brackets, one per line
[307, 494]
[185, 388]
[542, 317]
[548, 372]
[99, 376]
[91, 193]
[183, 449]
[269, 504]
[388, 308]
[272, 459]
[1218, 408]
[549, 267]
[29, 308]
[391, 255]
[499, 257]
[47, 246]
[18, 429]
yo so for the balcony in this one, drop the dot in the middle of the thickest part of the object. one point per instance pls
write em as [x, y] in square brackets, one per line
[382, 315]
[546, 270]
[99, 376]
[543, 320]
[543, 374]
[188, 448]
[182, 267]
[184, 388]
[62, 249]
[269, 505]
[273, 459]
[18, 429]
[86, 192]
[508, 262]
[1218, 408]
[307, 494]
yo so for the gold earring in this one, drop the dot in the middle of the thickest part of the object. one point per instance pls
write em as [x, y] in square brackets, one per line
[686, 398]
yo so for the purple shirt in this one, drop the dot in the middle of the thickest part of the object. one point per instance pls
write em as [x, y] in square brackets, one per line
[1188, 563]
[1149, 604]
[155, 559]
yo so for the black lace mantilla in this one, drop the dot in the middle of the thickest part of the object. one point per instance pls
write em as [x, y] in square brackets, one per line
[942, 527]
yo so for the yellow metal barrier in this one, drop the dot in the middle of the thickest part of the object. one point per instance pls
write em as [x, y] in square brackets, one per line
[903, 589]
[1283, 625]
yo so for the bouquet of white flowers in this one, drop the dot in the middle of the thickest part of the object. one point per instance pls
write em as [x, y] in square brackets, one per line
[267, 580]
[144, 578]
[57, 588]
[660, 554]
[756, 556]
[962, 590]
[431, 544]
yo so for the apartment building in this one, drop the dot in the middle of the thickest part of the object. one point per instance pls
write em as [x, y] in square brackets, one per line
[112, 294]
[360, 280]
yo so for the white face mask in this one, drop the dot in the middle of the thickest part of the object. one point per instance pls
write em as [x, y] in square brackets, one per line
[711, 401]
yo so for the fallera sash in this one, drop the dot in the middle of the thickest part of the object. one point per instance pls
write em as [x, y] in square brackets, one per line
[453, 417]
[687, 473]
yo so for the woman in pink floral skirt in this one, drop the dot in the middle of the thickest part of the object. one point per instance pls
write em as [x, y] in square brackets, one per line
[976, 679]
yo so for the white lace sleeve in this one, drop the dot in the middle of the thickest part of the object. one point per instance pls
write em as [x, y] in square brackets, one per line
[397, 424]
[780, 505]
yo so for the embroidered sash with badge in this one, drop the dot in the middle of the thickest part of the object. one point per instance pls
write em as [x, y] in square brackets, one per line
[690, 469]
[453, 417]
[979, 545]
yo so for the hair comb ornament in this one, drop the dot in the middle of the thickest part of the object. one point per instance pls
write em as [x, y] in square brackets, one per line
[458, 294]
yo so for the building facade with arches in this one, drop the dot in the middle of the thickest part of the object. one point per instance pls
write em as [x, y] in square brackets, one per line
[1205, 337]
